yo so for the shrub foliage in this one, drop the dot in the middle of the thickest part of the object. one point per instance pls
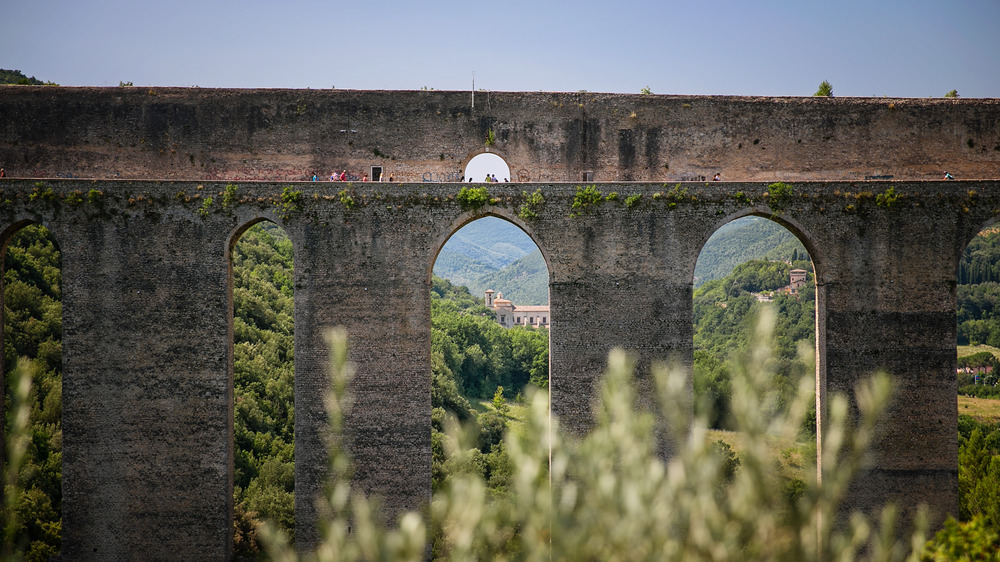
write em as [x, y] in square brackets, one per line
[608, 495]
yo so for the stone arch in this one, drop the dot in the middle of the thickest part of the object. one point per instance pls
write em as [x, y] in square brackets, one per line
[472, 216]
[5, 237]
[13, 229]
[803, 235]
[795, 227]
[476, 378]
[231, 248]
[972, 229]
[965, 238]
[240, 230]
[971, 332]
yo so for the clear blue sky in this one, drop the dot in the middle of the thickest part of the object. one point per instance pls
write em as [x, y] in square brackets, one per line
[913, 48]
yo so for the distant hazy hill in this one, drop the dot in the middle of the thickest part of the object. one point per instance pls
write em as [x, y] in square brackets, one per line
[492, 253]
[526, 281]
[481, 248]
[490, 240]
[458, 268]
[743, 240]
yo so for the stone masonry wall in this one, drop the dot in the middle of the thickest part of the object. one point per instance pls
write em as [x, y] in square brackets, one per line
[429, 136]
[147, 362]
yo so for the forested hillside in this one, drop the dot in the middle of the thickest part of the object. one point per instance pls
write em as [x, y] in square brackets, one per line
[474, 359]
[491, 253]
[524, 281]
[724, 315]
[33, 330]
[17, 77]
[264, 385]
[981, 259]
[480, 354]
[490, 241]
[978, 313]
[749, 238]
[978, 481]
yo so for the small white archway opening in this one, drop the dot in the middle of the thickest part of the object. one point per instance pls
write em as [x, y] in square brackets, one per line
[487, 163]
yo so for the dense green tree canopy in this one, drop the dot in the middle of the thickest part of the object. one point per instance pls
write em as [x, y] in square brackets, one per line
[726, 309]
[32, 318]
[264, 381]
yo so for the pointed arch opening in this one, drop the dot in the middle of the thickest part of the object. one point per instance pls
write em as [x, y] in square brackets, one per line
[749, 268]
[489, 336]
[262, 371]
[31, 325]
[977, 377]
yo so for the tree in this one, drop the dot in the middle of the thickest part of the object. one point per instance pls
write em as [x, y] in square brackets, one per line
[263, 383]
[33, 341]
[500, 404]
[16, 77]
[825, 89]
[978, 472]
[952, 94]
[645, 90]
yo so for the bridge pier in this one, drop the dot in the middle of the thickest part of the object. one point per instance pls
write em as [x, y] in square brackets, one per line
[889, 305]
[147, 392]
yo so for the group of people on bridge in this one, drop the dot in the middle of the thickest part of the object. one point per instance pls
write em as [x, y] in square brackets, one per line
[342, 176]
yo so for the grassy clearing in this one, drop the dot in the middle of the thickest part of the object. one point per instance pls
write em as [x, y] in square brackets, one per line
[983, 410]
[966, 350]
[793, 458]
[516, 415]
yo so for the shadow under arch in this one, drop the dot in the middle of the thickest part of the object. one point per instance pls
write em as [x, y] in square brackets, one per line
[816, 257]
[275, 407]
[35, 308]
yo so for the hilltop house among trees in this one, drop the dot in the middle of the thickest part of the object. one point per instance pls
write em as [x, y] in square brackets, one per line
[509, 315]
[796, 280]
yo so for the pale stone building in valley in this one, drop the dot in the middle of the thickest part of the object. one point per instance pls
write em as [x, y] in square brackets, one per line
[510, 315]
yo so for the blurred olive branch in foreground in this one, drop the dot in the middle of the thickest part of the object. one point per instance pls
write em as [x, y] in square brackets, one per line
[608, 496]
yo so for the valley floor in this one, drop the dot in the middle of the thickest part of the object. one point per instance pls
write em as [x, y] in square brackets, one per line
[983, 410]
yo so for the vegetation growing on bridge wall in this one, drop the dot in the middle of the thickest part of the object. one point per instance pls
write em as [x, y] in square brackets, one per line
[290, 204]
[586, 200]
[532, 203]
[778, 195]
[472, 198]
[290, 201]
[347, 198]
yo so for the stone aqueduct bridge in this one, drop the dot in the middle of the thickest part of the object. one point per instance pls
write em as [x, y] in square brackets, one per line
[147, 313]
